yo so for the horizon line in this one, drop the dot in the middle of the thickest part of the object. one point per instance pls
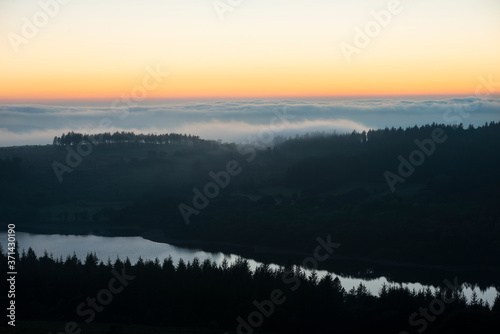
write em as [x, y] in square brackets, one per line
[230, 98]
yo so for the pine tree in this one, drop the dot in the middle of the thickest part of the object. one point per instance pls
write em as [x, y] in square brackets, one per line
[474, 302]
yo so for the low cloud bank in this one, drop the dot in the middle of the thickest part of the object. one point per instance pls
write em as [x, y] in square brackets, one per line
[238, 120]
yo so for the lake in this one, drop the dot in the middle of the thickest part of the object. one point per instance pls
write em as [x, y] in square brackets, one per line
[135, 247]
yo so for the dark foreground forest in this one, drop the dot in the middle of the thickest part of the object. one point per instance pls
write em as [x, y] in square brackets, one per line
[166, 297]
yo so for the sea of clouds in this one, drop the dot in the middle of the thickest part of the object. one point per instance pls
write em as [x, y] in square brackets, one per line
[238, 120]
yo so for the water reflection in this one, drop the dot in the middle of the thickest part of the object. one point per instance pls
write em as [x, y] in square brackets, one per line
[135, 247]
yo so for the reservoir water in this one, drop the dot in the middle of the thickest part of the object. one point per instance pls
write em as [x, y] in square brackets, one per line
[134, 247]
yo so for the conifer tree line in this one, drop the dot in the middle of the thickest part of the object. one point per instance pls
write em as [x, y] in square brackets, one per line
[206, 295]
[74, 138]
[378, 135]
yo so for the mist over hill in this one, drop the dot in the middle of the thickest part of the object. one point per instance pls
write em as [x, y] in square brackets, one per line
[239, 120]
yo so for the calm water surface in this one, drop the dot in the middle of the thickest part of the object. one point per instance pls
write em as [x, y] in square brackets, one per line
[135, 247]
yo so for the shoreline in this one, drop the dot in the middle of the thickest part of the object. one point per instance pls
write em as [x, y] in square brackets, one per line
[159, 236]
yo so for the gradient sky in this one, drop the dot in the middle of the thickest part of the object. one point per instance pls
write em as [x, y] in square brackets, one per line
[264, 48]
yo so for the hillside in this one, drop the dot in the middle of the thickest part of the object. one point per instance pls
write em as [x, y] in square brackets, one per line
[387, 195]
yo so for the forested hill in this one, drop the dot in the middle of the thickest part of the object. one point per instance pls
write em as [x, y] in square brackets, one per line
[425, 195]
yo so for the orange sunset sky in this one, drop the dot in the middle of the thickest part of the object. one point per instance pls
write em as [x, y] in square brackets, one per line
[260, 48]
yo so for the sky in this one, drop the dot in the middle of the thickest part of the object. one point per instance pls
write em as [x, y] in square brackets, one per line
[221, 68]
[94, 49]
